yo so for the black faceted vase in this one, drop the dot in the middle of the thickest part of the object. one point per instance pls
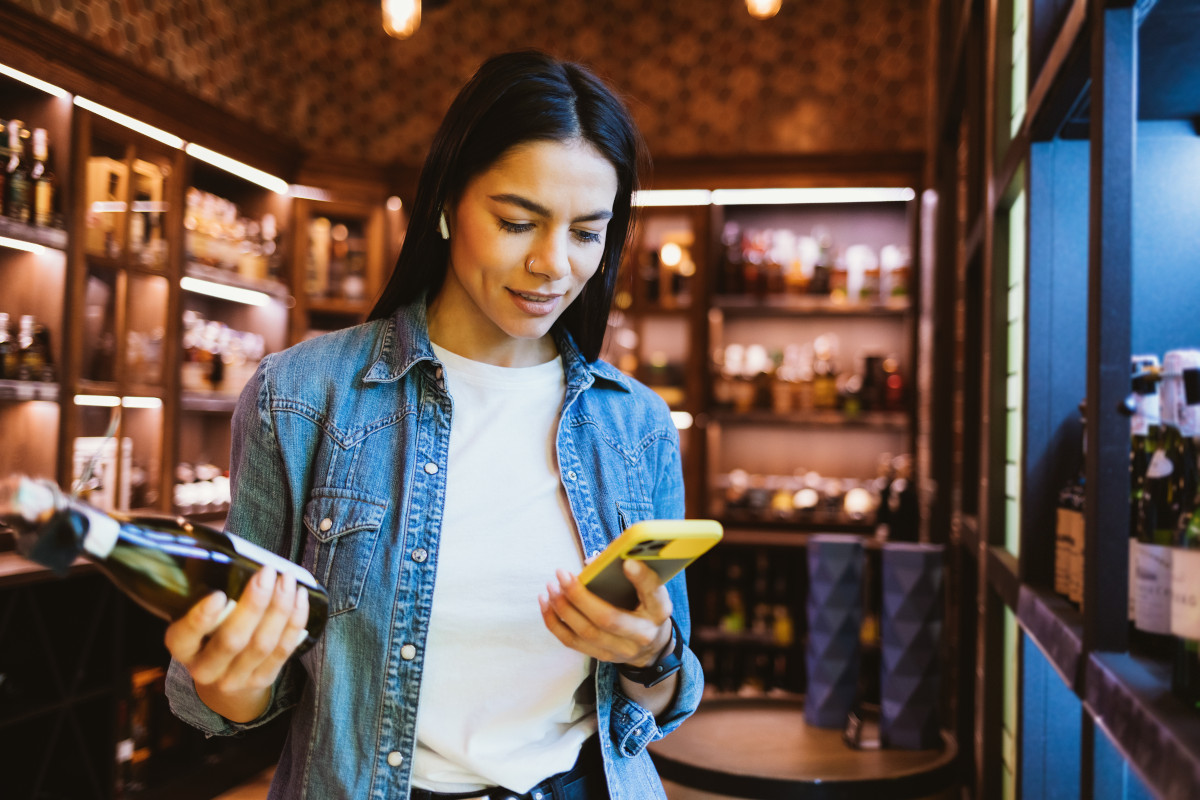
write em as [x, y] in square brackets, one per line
[910, 631]
[835, 574]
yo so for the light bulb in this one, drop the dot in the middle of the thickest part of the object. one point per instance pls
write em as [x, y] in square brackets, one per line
[763, 9]
[401, 18]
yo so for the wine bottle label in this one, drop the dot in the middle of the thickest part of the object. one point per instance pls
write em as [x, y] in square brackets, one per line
[102, 531]
[1075, 553]
[1185, 593]
[1062, 552]
[1154, 588]
[275, 562]
[1160, 465]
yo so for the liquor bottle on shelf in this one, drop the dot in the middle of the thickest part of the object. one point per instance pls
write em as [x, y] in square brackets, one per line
[17, 203]
[1181, 400]
[34, 362]
[165, 564]
[42, 179]
[1069, 530]
[9, 352]
[1150, 487]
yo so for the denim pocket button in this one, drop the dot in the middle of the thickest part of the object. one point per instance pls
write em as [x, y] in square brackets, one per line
[408, 652]
[420, 554]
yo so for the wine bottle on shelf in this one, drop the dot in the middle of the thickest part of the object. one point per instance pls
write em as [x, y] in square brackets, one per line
[42, 179]
[1150, 485]
[1181, 391]
[17, 195]
[165, 564]
[9, 353]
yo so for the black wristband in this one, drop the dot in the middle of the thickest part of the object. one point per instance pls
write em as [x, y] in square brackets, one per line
[668, 663]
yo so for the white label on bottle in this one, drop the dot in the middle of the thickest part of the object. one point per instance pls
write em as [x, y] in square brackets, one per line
[102, 532]
[1151, 409]
[1160, 465]
[1154, 588]
[275, 562]
[1185, 593]
[1133, 581]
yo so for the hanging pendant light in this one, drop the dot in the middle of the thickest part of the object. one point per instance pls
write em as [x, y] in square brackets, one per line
[401, 18]
[763, 9]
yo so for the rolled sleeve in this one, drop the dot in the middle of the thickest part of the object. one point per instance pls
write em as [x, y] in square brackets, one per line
[259, 512]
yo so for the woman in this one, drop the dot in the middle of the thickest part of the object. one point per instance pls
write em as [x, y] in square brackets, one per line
[467, 431]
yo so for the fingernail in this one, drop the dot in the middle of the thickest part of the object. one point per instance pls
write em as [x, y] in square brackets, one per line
[225, 612]
[265, 578]
[564, 577]
[214, 602]
[300, 639]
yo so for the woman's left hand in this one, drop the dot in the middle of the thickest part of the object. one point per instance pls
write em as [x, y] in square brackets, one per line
[595, 627]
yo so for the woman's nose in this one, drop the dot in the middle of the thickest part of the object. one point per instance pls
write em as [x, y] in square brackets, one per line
[550, 258]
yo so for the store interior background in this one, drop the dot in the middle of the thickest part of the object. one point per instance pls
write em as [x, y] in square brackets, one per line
[1037, 696]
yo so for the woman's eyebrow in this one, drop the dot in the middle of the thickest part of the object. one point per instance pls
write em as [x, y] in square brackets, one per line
[542, 211]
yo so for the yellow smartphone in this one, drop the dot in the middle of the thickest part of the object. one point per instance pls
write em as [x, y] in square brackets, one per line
[664, 545]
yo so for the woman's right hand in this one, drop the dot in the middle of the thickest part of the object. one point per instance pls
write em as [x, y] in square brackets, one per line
[235, 656]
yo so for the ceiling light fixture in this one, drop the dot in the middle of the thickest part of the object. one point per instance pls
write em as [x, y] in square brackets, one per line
[763, 9]
[401, 18]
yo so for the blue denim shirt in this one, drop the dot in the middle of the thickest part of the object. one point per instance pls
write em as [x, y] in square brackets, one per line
[354, 427]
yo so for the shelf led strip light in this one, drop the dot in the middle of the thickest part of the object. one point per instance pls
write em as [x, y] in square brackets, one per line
[17, 244]
[112, 401]
[774, 196]
[235, 293]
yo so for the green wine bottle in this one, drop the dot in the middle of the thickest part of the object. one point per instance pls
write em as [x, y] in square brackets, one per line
[165, 564]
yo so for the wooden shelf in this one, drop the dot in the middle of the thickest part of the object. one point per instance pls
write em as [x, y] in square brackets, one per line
[274, 289]
[1131, 699]
[805, 305]
[795, 527]
[23, 391]
[880, 420]
[1057, 628]
[53, 238]
[208, 402]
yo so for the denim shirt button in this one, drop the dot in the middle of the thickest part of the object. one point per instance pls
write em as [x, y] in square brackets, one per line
[431, 468]
[420, 554]
[571, 475]
[408, 652]
[326, 524]
[395, 759]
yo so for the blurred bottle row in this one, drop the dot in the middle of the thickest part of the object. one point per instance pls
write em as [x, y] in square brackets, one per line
[1164, 524]
[25, 355]
[217, 358]
[200, 489]
[778, 261]
[218, 234]
[27, 186]
[886, 502]
[804, 377]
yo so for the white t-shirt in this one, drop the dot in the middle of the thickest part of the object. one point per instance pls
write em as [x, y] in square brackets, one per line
[499, 703]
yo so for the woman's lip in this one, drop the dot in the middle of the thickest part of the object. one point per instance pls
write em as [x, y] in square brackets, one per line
[535, 303]
[535, 296]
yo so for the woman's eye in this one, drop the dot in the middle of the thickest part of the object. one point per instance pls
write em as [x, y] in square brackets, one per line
[588, 237]
[515, 227]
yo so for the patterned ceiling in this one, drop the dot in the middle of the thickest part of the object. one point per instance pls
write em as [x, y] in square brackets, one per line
[702, 77]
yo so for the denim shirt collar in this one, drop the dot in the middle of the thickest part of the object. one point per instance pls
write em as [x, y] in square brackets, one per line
[405, 343]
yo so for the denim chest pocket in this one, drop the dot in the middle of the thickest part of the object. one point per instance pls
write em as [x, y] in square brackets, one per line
[345, 526]
[630, 512]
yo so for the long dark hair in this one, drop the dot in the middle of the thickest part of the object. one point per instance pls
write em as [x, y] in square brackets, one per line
[514, 98]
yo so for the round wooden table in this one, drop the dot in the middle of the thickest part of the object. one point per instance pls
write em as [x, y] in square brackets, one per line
[762, 749]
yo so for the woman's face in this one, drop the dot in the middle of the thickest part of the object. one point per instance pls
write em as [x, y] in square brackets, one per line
[543, 200]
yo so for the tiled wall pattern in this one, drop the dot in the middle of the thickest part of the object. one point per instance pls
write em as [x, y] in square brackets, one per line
[702, 76]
